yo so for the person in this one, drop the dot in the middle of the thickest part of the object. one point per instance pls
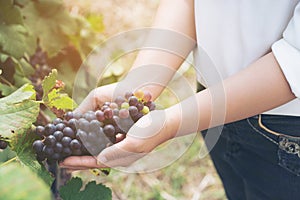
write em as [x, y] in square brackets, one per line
[255, 46]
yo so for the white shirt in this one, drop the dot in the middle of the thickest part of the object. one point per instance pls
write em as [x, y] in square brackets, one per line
[231, 34]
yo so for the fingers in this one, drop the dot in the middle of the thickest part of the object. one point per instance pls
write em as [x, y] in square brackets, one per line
[89, 103]
[115, 155]
[81, 163]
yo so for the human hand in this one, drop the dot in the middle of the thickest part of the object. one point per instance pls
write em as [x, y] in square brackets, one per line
[148, 132]
[96, 97]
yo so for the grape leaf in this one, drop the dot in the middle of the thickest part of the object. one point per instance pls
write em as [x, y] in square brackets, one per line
[42, 18]
[63, 102]
[26, 92]
[10, 14]
[18, 111]
[48, 83]
[15, 40]
[7, 89]
[92, 191]
[18, 182]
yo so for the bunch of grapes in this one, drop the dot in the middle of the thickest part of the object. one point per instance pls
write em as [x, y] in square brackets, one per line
[3, 144]
[42, 69]
[91, 132]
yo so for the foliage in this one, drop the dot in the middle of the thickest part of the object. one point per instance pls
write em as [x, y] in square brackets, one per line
[91, 191]
[16, 185]
[38, 40]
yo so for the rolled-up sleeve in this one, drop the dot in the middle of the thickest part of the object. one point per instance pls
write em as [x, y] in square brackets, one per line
[287, 52]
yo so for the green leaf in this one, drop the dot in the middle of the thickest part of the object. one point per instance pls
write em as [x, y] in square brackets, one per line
[9, 13]
[18, 117]
[25, 92]
[63, 102]
[42, 18]
[49, 82]
[18, 111]
[19, 183]
[15, 40]
[6, 89]
[92, 191]
[27, 158]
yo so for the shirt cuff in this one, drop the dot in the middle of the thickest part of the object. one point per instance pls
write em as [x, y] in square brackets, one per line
[288, 58]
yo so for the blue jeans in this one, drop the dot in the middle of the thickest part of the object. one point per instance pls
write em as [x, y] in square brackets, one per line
[255, 164]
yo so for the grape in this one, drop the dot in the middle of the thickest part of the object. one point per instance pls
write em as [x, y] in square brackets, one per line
[145, 110]
[125, 105]
[89, 116]
[140, 106]
[100, 115]
[116, 111]
[69, 115]
[72, 123]
[119, 100]
[66, 151]
[39, 131]
[49, 129]
[58, 135]
[57, 121]
[150, 105]
[139, 94]
[69, 132]
[83, 124]
[109, 130]
[123, 113]
[133, 101]
[81, 135]
[108, 113]
[113, 105]
[48, 151]
[58, 147]
[89, 133]
[94, 125]
[38, 146]
[75, 144]
[65, 141]
[60, 127]
[50, 141]
[133, 111]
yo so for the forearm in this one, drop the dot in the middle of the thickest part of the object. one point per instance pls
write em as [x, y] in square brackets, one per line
[176, 17]
[258, 88]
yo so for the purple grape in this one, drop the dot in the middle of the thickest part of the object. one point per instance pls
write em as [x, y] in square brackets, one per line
[133, 111]
[38, 146]
[39, 131]
[65, 141]
[49, 129]
[57, 121]
[119, 100]
[140, 106]
[69, 115]
[60, 126]
[48, 151]
[109, 130]
[75, 144]
[66, 151]
[50, 141]
[108, 113]
[69, 132]
[133, 101]
[100, 115]
[58, 135]
[58, 147]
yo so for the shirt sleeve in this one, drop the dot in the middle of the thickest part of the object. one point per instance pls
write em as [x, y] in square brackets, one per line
[287, 52]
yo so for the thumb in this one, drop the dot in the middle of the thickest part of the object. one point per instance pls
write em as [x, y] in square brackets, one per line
[117, 155]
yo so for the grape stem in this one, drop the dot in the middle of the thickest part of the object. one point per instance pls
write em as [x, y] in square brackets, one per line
[9, 161]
